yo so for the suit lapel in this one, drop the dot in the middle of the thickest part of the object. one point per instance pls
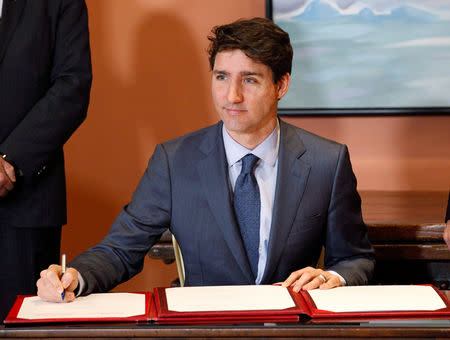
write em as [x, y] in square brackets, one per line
[292, 177]
[213, 172]
[12, 12]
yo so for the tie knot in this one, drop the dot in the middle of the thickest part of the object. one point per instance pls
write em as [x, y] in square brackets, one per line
[248, 163]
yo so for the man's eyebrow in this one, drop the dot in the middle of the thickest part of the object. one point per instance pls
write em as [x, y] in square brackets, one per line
[243, 73]
[250, 73]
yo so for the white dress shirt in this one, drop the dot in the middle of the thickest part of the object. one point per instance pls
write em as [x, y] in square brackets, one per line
[266, 176]
[1, 8]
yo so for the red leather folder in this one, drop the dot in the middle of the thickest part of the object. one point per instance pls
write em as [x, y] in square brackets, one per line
[13, 319]
[157, 311]
[314, 312]
[163, 315]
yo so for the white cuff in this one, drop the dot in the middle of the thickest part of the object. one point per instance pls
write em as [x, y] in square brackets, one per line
[81, 284]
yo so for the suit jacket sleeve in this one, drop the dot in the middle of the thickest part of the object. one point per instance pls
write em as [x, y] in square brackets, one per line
[52, 120]
[347, 247]
[120, 255]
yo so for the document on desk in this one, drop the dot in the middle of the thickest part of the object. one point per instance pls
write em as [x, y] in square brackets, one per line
[105, 305]
[228, 298]
[377, 298]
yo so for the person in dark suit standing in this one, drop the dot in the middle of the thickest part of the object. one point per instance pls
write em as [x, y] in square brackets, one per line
[250, 200]
[45, 80]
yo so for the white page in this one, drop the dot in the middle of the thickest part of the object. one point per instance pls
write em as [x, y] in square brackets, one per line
[228, 298]
[377, 298]
[92, 306]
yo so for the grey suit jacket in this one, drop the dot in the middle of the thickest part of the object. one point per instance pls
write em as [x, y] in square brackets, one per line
[185, 188]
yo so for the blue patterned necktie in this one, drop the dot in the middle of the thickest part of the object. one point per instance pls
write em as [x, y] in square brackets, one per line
[247, 206]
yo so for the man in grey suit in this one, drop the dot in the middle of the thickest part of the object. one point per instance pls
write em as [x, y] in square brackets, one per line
[237, 223]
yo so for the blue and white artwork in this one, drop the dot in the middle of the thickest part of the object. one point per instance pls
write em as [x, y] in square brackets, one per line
[367, 53]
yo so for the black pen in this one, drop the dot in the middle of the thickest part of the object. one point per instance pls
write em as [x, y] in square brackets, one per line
[63, 270]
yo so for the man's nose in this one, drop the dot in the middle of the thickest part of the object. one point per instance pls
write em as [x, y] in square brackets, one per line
[235, 93]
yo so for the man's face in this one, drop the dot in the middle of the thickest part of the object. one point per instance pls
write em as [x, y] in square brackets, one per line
[245, 95]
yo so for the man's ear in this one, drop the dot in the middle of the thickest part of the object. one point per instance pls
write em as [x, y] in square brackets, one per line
[283, 85]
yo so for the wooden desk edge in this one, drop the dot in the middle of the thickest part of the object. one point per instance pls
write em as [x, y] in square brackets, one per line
[315, 331]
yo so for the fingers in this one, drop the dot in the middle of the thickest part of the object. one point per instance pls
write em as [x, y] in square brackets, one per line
[9, 171]
[301, 277]
[50, 286]
[308, 280]
[311, 278]
[316, 282]
[7, 177]
[447, 234]
[70, 280]
[295, 276]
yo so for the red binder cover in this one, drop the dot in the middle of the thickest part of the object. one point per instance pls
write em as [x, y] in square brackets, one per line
[153, 315]
[314, 312]
[163, 315]
[13, 319]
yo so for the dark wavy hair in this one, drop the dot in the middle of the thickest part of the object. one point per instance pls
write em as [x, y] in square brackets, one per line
[259, 38]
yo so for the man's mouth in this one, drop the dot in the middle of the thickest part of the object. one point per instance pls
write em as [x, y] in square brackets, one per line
[234, 110]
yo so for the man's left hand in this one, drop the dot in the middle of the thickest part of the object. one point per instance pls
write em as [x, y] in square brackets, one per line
[311, 278]
[447, 234]
[7, 177]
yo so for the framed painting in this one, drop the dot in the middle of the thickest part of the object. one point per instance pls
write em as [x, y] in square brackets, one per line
[359, 57]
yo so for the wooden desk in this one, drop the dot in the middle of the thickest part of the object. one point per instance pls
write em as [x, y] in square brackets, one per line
[406, 231]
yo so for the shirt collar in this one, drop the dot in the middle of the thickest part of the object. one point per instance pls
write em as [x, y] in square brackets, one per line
[267, 150]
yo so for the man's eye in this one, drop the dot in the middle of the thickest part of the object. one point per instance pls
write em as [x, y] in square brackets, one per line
[220, 77]
[250, 80]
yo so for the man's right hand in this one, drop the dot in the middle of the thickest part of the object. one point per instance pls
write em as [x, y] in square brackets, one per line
[50, 286]
[7, 177]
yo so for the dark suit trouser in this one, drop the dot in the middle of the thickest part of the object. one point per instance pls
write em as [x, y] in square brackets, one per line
[24, 252]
